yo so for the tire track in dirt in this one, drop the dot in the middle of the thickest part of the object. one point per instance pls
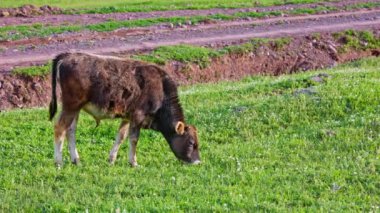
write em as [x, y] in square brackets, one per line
[157, 29]
[218, 34]
[85, 19]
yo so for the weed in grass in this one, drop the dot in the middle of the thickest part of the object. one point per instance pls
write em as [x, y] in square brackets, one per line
[21, 48]
[238, 49]
[245, 48]
[280, 43]
[254, 44]
[316, 36]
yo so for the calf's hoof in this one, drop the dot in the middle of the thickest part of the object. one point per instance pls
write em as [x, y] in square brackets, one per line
[58, 165]
[133, 164]
[112, 160]
[76, 161]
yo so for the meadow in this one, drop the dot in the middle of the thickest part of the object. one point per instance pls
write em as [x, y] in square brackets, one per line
[285, 143]
[148, 5]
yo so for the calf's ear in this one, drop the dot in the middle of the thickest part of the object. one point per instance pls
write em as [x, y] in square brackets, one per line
[180, 128]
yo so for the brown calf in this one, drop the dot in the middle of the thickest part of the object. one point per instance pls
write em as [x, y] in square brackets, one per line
[142, 95]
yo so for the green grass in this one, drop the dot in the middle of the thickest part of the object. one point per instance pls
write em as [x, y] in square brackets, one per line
[263, 149]
[182, 53]
[202, 56]
[254, 44]
[40, 30]
[145, 5]
[363, 5]
[42, 70]
[35, 30]
[358, 40]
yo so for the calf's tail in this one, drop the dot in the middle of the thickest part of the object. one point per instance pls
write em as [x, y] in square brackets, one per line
[53, 102]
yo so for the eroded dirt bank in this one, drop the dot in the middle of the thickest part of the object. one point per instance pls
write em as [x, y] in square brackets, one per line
[301, 54]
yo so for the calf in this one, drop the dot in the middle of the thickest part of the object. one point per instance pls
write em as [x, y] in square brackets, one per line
[142, 95]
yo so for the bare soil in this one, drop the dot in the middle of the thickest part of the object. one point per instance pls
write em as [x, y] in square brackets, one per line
[32, 17]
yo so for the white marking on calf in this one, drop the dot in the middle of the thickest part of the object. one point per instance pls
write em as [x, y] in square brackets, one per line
[59, 137]
[97, 113]
[132, 153]
[58, 69]
[106, 56]
[70, 134]
[196, 162]
[65, 121]
[58, 145]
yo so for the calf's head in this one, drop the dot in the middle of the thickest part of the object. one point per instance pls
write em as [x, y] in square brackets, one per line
[184, 143]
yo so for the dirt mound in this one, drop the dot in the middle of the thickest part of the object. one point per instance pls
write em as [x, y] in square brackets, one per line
[29, 10]
[22, 91]
[301, 54]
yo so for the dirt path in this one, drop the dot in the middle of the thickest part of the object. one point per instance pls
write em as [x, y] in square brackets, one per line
[84, 19]
[213, 34]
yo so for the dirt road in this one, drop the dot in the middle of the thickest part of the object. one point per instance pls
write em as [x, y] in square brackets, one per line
[37, 51]
[97, 18]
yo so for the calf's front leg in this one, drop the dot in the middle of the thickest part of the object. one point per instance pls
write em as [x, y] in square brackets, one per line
[134, 133]
[120, 137]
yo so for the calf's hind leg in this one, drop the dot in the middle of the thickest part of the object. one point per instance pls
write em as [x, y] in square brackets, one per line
[66, 118]
[70, 135]
[120, 137]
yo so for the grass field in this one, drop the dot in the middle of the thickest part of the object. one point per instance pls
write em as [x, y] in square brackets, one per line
[263, 148]
[148, 5]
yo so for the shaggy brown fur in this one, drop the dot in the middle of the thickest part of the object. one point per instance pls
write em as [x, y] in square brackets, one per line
[133, 90]
[110, 84]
